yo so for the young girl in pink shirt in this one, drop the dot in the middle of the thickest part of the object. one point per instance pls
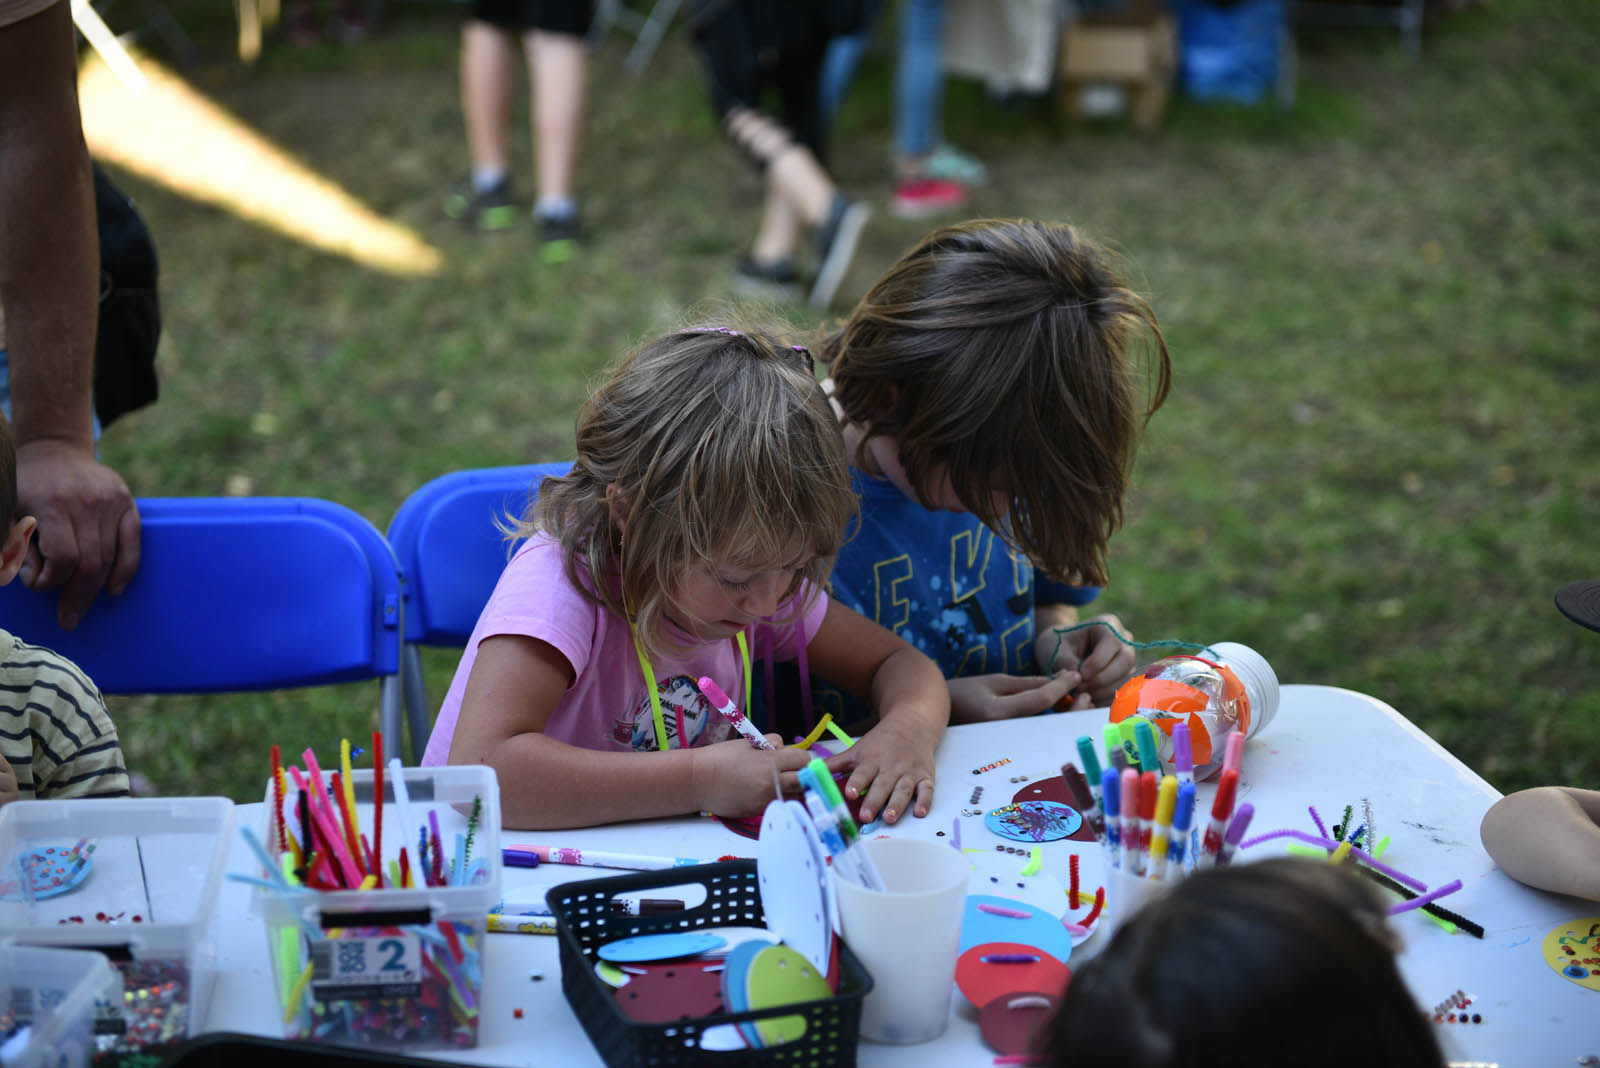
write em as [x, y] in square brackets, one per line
[709, 497]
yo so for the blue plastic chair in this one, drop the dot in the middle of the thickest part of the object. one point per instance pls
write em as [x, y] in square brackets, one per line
[451, 554]
[235, 594]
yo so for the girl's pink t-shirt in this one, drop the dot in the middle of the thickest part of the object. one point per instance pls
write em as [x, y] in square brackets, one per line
[607, 706]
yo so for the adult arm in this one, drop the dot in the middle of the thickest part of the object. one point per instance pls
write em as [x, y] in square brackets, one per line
[1548, 837]
[49, 284]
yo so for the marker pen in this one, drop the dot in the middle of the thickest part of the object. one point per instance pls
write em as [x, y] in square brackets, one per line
[1182, 820]
[1149, 789]
[1115, 755]
[1145, 735]
[1183, 752]
[1091, 765]
[724, 704]
[1131, 859]
[1236, 829]
[1221, 809]
[1110, 789]
[1130, 741]
[1234, 754]
[1078, 790]
[1166, 805]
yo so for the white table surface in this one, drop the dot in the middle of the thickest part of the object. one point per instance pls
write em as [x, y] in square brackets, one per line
[1328, 747]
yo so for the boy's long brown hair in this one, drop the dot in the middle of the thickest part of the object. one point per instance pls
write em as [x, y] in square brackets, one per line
[1004, 352]
[724, 451]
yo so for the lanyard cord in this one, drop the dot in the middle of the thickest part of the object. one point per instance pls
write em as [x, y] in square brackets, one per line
[654, 691]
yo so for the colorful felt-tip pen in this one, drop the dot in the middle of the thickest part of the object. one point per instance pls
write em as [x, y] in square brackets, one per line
[505, 924]
[1110, 790]
[1115, 756]
[1221, 809]
[1083, 800]
[1091, 765]
[1182, 820]
[1182, 752]
[1235, 834]
[1149, 789]
[1234, 754]
[730, 711]
[1130, 742]
[1132, 859]
[1145, 735]
[1166, 806]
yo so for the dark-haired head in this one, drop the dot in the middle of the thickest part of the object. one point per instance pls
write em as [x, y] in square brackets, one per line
[1281, 962]
[1001, 353]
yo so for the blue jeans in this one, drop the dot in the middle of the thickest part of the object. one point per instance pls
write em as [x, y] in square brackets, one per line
[918, 74]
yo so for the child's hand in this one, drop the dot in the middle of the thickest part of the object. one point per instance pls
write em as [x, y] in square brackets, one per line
[9, 791]
[890, 767]
[1102, 660]
[734, 779]
[980, 698]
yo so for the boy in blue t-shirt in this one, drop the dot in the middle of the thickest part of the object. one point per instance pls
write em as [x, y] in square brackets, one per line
[989, 389]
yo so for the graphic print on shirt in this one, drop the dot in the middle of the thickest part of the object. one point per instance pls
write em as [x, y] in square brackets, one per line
[681, 701]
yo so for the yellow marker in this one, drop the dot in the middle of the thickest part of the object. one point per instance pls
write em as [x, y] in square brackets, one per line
[504, 924]
[1166, 804]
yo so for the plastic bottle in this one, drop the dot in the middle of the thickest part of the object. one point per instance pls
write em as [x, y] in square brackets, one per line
[1223, 688]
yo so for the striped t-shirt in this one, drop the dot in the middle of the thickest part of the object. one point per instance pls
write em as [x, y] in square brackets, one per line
[54, 729]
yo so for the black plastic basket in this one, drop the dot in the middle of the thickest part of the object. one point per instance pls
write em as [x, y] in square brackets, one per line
[585, 922]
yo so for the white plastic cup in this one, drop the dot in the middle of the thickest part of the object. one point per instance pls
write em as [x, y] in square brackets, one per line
[907, 937]
[1127, 894]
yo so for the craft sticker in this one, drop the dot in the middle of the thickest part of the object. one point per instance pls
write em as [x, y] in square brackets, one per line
[1573, 950]
[49, 870]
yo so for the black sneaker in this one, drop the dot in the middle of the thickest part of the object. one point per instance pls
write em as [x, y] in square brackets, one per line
[836, 246]
[558, 236]
[491, 211]
[776, 283]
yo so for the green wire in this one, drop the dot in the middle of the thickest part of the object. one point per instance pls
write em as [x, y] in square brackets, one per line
[1062, 632]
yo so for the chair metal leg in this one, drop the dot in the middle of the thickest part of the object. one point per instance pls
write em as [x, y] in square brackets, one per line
[389, 725]
[419, 718]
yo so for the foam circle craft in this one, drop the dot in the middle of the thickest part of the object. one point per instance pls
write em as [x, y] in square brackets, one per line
[981, 981]
[778, 975]
[674, 945]
[51, 871]
[792, 880]
[665, 993]
[610, 974]
[733, 936]
[735, 988]
[1034, 821]
[1018, 1023]
[1053, 789]
[1038, 928]
[1572, 949]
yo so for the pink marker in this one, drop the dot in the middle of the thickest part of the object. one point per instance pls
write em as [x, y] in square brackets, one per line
[724, 704]
[1233, 756]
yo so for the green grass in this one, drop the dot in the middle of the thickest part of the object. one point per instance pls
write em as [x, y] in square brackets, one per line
[1380, 455]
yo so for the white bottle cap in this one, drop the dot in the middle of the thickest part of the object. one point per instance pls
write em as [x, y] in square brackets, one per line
[1259, 681]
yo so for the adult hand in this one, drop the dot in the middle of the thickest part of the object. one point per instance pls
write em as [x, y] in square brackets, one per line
[88, 534]
[891, 770]
[1102, 659]
[733, 778]
[980, 698]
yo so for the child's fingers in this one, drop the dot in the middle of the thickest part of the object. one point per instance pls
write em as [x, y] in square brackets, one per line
[924, 799]
[899, 798]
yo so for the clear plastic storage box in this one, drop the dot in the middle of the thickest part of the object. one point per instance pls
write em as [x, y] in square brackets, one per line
[136, 879]
[391, 967]
[49, 999]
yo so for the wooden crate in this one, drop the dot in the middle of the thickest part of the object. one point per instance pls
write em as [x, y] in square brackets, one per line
[1136, 47]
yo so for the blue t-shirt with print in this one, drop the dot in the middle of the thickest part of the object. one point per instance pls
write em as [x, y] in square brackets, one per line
[942, 581]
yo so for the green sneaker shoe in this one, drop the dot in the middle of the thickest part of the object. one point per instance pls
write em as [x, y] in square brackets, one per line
[489, 211]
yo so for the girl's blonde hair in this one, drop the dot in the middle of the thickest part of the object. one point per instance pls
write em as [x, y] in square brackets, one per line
[723, 451]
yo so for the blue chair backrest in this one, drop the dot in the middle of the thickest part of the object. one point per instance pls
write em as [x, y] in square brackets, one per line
[451, 550]
[234, 594]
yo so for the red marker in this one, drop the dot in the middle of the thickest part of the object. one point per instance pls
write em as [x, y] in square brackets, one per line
[1149, 790]
[1221, 809]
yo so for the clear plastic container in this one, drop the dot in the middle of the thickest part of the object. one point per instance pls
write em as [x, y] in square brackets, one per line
[390, 967]
[136, 879]
[1223, 688]
[49, 999]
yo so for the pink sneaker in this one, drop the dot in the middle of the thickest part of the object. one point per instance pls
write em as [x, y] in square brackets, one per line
[917, 198]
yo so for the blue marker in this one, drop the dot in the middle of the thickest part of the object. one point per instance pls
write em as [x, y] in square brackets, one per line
[1091, 765]
[1109, 784]
[1182, 818]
